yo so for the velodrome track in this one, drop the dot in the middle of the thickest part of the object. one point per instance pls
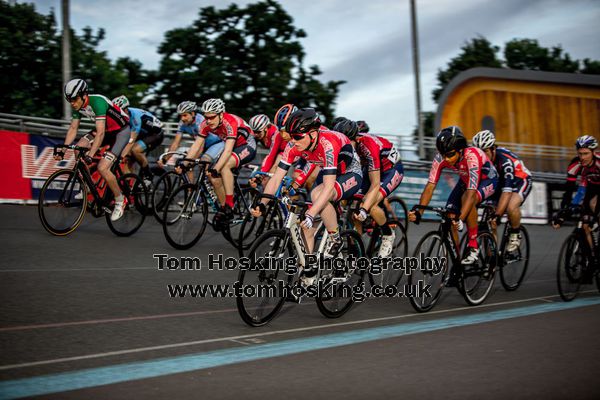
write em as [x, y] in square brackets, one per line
[88, 316]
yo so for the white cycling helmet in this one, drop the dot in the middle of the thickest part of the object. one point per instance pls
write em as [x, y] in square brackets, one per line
[259, 122]
[186, 107]
[586, 142]
[216, 106]
[121, 102]
[74, 88]
[484, 139]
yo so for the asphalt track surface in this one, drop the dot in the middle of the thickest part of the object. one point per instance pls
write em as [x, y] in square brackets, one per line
[89, 316]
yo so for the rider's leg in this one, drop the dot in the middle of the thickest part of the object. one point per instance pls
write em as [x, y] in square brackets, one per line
[228, 180]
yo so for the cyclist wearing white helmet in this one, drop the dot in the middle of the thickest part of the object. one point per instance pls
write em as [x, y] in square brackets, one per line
[514, 184]
[240, 146]
[586, 164]
[149, 135]
[112, 128]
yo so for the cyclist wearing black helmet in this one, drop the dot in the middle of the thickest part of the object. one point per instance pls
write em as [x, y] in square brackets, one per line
[382, 173]
[340, 176]
[478, 181]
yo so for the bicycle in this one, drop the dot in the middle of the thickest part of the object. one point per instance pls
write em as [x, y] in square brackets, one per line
[283, 244]
[474, 282]
[574, 266]
[513, 265]
[396, 208]
[186, 211]
[68, 193]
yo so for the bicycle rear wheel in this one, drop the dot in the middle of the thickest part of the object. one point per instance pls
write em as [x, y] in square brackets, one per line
[478, 279]
[570, 268]
[62, 202]
[185, 216]
[252, 227]
[399, 211]
[514, 265]
[163, 188]
[400, 249]
[261, 299]
[345, 286]
[134, 190]
[431, 245]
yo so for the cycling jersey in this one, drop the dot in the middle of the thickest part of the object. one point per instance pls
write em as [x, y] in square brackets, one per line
[590, 176]
[192, 129]
[511, 169]
[143, 123]
[231, 127]
[276, 146]
[99, 108]
[473, 168]
[376, 153]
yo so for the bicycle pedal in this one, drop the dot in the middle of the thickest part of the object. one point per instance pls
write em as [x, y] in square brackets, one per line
[107, 210]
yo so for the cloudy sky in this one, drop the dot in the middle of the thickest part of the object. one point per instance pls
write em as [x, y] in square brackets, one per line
[365, 42]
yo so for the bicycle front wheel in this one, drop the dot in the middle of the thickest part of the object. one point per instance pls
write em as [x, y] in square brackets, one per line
[261, 299]
[477, 279]
[62, 202]
[185, 216]
[514, 265]
[392, 277]
[399, 211]
[570, 267]
[163, 188]
[343, 286]
[135, 193]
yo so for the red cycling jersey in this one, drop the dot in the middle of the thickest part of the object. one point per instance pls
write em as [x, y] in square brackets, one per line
[375, 152]
[231, 127]
[276, 145]
[473, 167]
[589, 175]
[333, 153]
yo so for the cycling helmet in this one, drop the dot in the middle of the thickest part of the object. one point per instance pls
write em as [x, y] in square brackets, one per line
[283, 114]
[216, 106]
[484, 139]
[303, 121]
[362, 126]
[586, 142]
[186, 107]
[348, 128]
[74, 88]
[337, 120]
[121, 102]
[449, 139]
[259, 122]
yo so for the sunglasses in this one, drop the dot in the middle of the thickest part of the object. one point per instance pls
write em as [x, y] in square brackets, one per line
[298, 136]
[210, 118]
[450, 154]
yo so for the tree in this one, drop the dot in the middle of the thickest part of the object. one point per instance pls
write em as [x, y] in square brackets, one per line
[250, 57]
[528, 54]
[479, 52]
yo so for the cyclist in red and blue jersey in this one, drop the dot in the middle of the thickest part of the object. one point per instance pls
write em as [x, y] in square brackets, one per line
[514, 184]
[382, 174]
[112, 128]
[149, 134]
[586, 164]
[240, 146]
[478, 181]
[268, 135]
[340, 176]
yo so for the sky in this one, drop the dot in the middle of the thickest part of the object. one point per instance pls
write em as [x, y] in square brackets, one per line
[364, 42]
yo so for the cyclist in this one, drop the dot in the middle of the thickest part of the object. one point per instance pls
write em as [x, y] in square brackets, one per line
[268, 134]
[363, 127]
[382, 174]
[587, 163]
[240, 146]
[514, 184]
[112, 128]
[340, 176]
[148, 130]
[478, 181]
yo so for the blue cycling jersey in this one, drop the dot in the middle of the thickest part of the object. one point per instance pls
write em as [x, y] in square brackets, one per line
[143, 123]
[193, 129]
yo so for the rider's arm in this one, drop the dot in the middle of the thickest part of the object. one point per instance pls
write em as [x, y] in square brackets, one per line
[72, 132]
[197, 147]
[100, 128]
[426, 195]
[503, 202]
[371, 197]
[274, 182]
[273, 152]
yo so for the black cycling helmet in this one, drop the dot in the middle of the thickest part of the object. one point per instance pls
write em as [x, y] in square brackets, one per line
[449, 139]
[362, 126]
[337, 120]
[348, 128]
[303, 121]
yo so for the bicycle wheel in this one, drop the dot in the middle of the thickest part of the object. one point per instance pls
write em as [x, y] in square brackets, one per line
[513, 266]
[345, 285]
[62, 202]
[163, 188]
[432, 246]
[399, 211]
[232, 232]
[400, 249]
[134, 190]
[570, 267]
[477, 279]
[252, 227]
[261, 300]
[185, 216]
